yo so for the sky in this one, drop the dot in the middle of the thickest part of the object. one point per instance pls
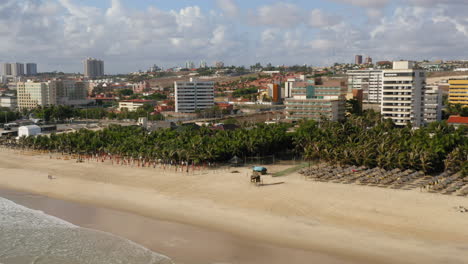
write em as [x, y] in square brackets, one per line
[132, 35]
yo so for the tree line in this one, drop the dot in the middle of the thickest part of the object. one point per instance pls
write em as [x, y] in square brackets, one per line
[360, 140]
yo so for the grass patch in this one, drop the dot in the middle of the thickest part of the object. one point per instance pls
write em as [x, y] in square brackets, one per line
[290, 170]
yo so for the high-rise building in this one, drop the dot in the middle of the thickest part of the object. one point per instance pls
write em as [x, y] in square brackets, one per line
[432, 104]
[458, 91]
[17, 69]
[31, 69]
[203, 64]
[93, 68]
[368, 60]
[402, 94]
[369, 81]
[193, 95]
[6, 69]
[189, 65]
[358, 59]
[34, 94]
[314, 99]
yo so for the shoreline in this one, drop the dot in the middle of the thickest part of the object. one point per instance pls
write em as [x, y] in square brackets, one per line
[182, 243]
[355, 223]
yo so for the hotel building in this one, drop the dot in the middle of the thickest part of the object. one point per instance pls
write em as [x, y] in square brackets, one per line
[402, 93]
[193, 95]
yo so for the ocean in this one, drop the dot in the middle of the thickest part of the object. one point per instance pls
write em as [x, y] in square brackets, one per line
[32, 237]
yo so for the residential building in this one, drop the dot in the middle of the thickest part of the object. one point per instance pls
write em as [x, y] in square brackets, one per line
[432, 66]
[93, 68]
[458, 121]
[34, 94]
[402, 93]
[133, 105]
[31, 69]
[316, 100]
[17, 69]
[193, 95]
[6, 69]
[274, 92]
[358, 59]
[458, 91]
[369, 81]
[368, 60]
[289, 85]
[432, 104]
[10, 102]
[71, 92]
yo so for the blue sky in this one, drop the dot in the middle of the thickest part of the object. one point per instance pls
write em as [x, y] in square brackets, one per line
[130, 35]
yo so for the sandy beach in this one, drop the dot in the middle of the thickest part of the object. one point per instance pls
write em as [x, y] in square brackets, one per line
[345, 223]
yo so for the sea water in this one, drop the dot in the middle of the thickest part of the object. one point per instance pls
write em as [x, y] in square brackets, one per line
[32, 237]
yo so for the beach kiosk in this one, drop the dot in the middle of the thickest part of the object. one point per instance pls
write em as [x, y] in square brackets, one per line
[257, 171]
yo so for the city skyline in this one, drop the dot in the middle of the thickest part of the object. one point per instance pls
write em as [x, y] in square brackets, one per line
[132, 35]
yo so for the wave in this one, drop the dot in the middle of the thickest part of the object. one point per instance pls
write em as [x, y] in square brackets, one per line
[31, 236]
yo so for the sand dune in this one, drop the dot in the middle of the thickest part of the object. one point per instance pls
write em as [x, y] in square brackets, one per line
[356, 223]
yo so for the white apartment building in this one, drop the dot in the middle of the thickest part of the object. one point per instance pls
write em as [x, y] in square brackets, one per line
[193, 95]
[432, 104]
[10, 102]
[402, 93]
[33, 94]
[369, 81]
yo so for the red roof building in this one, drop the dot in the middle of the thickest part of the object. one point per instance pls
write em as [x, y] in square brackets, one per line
[458, 120]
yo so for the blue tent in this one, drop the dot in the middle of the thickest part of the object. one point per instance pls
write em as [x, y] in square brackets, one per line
[259, 169]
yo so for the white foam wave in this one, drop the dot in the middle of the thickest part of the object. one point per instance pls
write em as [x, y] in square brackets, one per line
[31, 236]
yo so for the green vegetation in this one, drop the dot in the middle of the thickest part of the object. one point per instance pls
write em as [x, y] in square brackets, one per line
[60, 113]
[125, 92]
[245, 92]
[156, 96]
[365, 140]
[195, 145]
[291, 170]
[8, 116]
[457, 109]
[370, 142]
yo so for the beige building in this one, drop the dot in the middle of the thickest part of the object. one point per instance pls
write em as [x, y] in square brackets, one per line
[133, 105]
[316, 100]
[34, 94]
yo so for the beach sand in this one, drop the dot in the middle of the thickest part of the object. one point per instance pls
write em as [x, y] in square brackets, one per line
[349, 223]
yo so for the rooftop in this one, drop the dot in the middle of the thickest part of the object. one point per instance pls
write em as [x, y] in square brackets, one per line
[458, 120]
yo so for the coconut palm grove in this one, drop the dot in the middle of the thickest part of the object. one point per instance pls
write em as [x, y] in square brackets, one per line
[360, 140]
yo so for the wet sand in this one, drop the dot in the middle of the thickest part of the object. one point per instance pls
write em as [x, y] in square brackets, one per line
[184, 244]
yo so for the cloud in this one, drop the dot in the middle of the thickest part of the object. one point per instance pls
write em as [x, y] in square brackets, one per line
[282, 15]
[366, 3]
[58, 34]
[229, 7]
[320, 19]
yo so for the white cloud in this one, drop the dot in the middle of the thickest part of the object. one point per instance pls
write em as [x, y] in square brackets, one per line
[58, 34]
[229, 7]
[282, 15]
[320, 19]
